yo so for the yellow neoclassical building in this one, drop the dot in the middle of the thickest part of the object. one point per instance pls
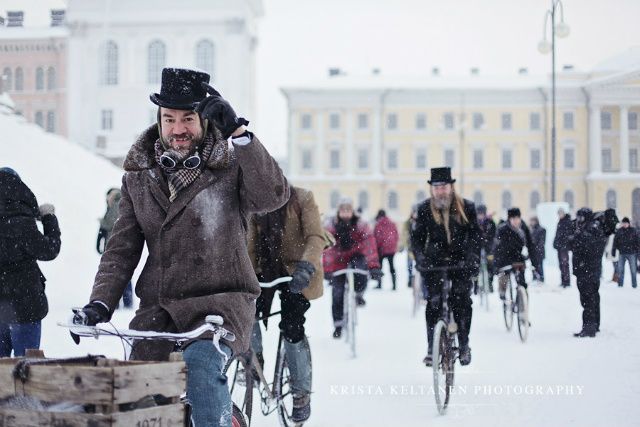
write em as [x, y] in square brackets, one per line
[374, 138]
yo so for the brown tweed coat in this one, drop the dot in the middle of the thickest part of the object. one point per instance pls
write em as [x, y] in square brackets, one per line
[198, 262]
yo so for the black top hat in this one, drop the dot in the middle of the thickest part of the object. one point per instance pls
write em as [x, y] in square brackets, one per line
[441, 176]
[181, 89]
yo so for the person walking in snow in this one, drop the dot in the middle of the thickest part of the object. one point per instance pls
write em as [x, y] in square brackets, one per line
[561, 244]
[106, 225]
[355, 248]
[187, 193]
[23, 303]
[539, 239]
[405, 242]
[289, 242]
[627, 242]
[446, 234]
[488, 234]
[587, 242]
[386, 235]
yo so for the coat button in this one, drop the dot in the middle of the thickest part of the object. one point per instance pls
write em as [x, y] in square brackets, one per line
[198, 260]
[196, 221]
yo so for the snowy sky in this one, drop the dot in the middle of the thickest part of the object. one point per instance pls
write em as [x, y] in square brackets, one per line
[300, 39]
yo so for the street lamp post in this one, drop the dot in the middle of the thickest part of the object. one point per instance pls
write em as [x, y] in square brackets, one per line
[561, 30]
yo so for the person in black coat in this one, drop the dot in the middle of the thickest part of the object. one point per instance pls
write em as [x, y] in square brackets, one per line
[511, 238]
[587, 243]
[539, 239]
[23, 303]
[627, 242]
[446, 233]
[488, 235]
[561, 244]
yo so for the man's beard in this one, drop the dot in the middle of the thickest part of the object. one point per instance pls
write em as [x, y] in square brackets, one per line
[442, 202]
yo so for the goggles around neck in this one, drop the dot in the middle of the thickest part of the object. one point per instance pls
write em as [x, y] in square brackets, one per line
[191, 162]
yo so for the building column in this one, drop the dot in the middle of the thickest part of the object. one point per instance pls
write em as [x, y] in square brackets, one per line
[376, 151]
[349, 143]
[321, 144]
[595, 141]
[624, 139]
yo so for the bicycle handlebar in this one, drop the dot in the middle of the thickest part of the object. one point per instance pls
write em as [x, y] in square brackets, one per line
[517, 266]
[350, 270]
[276, 282]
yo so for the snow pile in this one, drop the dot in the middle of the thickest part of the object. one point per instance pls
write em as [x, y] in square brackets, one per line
[75, 181]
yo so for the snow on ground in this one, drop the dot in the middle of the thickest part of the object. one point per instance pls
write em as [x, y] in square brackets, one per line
[554, 379]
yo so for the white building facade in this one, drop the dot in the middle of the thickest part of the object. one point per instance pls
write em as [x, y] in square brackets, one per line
[117, 50]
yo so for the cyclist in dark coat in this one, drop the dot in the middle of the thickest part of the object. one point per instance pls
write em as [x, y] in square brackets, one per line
[23, 303]
[511, 238]
[587, 243]
[446, 233]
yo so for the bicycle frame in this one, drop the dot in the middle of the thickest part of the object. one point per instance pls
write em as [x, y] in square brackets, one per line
[350, 312]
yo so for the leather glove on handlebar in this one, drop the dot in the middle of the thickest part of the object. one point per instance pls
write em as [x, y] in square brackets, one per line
[301, 276]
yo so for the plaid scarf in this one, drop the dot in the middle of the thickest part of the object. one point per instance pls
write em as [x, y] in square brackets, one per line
[180, 178]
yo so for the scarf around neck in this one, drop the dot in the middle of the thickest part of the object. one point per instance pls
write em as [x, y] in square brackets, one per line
[179, 178]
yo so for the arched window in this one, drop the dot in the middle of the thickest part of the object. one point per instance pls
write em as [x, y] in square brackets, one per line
[109, 63]
[392, 200]
[19, 83]
[51, 78]
[612, 199]
[334, 199]
[478, 198]
[39, 78]
[363, 200]
[6, 79]
[506, 199]
[421, 196]
[534, 199]
[39, 118]
[569, 199]
[205, 56]
[156, 57]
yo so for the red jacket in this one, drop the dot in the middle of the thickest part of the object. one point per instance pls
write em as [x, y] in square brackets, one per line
[386, 234]
[335, 258]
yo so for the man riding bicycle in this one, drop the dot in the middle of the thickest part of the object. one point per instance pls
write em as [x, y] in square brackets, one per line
[289, 242]
[185, 194]
[511, 238]
[446, 233]
[355, 247]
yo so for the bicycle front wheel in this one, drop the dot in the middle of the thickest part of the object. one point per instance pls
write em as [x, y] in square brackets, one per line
[282, 389]
[240, 380]
[507, 306]
[522, 303]
[442, 366]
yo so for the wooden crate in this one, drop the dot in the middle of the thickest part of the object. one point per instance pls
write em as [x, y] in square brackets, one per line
[108, 387]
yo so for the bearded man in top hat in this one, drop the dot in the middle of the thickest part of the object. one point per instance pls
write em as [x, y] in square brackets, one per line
[186, 194]
[446, 234]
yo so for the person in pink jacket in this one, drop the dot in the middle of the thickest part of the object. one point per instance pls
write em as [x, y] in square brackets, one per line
[386, 235]
[355, 248]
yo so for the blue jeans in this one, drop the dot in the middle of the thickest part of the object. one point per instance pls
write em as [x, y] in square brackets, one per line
[207, 388]
[633, 266]
[19, 337]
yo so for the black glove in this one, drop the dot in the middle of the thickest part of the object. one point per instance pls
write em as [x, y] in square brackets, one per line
[328, 276]
[376, 273]
[101, 243]
[421, 262]
[92, 314]
[301, 276]
[473, 264]
[219, 112]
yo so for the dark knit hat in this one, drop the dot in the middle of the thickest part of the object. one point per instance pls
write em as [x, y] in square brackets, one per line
[513, 213]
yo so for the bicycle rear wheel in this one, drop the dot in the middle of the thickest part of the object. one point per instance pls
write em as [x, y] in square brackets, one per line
[507, 305]
[442, 366]
[282, 391]
[522, 304]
